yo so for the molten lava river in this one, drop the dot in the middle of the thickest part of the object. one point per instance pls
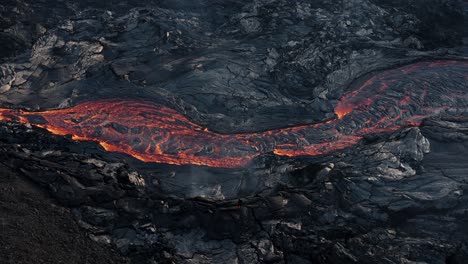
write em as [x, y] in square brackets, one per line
[154, 133]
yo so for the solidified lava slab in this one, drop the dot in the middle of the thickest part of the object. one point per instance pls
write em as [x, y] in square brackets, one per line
[386, 102]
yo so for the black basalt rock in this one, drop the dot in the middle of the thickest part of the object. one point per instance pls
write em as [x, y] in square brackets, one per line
[231, 67]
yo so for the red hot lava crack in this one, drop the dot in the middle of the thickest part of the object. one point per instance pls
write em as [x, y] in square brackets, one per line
[154, 133]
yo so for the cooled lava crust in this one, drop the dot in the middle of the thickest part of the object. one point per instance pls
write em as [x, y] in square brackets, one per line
[386, 102]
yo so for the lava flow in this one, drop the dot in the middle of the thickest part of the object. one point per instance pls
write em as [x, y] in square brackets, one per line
[153, 133]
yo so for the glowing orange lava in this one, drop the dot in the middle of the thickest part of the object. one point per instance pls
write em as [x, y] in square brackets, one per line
[154, 133]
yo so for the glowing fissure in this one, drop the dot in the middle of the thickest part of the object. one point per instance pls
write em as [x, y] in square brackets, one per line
[154, 133]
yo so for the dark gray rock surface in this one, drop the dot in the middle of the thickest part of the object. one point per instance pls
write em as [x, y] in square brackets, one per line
[397, 198]
[233, 66]
[237, 66]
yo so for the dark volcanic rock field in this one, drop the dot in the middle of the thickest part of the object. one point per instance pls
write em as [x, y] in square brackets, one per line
[398, 196]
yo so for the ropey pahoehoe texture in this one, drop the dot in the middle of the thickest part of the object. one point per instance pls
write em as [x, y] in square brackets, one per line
[346, 122]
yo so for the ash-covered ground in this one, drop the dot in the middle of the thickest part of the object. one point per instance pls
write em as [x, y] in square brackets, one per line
[233, 67]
